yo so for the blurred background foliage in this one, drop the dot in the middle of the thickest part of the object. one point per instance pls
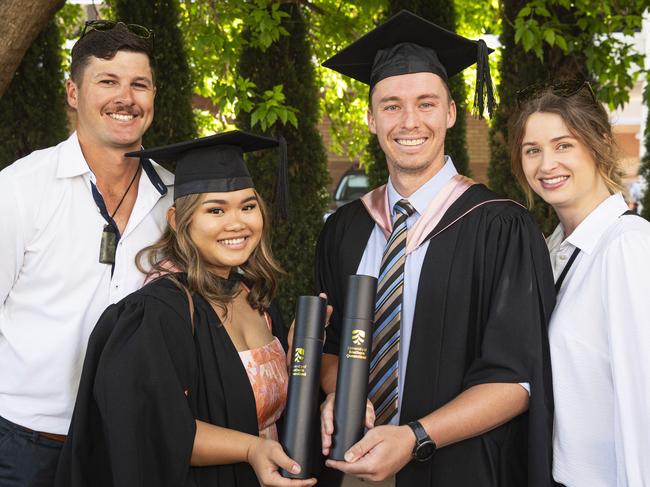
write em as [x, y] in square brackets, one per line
[256, 64]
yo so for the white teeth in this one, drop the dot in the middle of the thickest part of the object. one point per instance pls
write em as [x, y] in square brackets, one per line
[120, 117]
[411, 141]
[232, 241]
[555, 180]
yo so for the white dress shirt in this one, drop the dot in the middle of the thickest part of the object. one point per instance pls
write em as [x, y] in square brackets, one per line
[599, 337]
[52, 286]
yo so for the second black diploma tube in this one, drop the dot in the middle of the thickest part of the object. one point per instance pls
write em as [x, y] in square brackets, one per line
[354, 364]
[304, 374]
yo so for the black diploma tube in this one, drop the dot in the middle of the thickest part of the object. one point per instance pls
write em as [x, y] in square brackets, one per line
[304, 378]
[354, 364]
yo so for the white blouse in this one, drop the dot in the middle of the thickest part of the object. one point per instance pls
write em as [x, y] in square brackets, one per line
[600, 349]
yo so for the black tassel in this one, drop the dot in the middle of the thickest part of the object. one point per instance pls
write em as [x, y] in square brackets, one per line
[483, 80]
[281, 206]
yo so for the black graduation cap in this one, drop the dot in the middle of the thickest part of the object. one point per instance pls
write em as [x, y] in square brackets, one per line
[216, 164]
[407, 44]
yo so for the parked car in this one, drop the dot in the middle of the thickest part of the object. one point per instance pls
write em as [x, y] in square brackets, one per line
[352, 185]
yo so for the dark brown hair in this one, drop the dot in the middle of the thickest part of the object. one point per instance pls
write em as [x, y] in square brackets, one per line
[176, 249]
[587, 121]
[105, 44]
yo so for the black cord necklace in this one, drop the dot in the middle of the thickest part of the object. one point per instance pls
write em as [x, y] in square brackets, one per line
[108, 245]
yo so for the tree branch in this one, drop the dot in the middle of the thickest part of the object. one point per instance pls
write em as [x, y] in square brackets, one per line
[20, 23]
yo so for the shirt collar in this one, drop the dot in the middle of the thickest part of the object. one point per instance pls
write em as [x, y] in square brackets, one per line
[72, 163]
[592, 228]
[71, 160]
[555, 240]
[421, 198]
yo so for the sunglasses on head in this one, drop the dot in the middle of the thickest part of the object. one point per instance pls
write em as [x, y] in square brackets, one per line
[104, 25]
[564, 88]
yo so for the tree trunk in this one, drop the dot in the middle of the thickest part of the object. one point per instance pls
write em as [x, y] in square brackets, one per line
[20, 22]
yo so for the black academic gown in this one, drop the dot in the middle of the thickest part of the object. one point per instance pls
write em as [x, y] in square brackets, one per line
[484, 299]
[145, 380]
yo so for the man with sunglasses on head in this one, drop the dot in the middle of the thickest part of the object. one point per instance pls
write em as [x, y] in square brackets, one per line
[73, 218]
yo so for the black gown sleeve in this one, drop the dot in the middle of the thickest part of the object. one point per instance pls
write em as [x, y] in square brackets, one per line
[518, 298]
[328, 281]
[132, 424]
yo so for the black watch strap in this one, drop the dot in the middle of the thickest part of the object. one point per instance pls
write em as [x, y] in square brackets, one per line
[424, 445]
[420, 433]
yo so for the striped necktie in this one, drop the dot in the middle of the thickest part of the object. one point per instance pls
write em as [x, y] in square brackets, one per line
[384, 365]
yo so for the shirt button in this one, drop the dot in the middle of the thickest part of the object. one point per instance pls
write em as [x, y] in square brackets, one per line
[562, 257]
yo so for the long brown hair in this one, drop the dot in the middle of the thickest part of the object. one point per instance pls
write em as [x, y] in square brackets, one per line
[587, 121]
[175, 248]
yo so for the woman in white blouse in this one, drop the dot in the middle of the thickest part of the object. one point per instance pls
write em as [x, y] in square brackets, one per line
[599, 334]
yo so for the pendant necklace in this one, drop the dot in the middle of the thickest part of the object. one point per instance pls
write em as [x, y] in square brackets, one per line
[108, 245]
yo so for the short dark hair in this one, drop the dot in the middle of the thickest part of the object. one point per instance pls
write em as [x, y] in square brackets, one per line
[105, 44]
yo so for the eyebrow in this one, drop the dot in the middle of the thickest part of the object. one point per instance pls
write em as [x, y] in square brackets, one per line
[224, 202]
[568, 136]
[143, 78]
[554, 139]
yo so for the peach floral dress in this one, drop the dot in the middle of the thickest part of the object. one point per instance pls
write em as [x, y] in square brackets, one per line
[267, 371]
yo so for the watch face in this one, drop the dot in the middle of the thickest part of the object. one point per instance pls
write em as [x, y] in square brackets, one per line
[425, 451]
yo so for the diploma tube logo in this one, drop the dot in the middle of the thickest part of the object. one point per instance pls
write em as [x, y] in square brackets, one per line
[299, 355]
[358, 337]
[357, 348]
[299, 367]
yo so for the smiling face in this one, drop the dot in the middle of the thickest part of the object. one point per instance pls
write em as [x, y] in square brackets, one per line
[114, 101]
[559, 167]
[410, 115]
[226, 228]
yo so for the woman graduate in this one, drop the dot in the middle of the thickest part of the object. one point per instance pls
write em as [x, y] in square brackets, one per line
[599, 333]
[184, 380]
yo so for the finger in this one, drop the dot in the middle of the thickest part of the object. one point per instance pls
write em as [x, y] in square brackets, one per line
[282, 460]
[363, 446]
[327, 423]
[329, 310]
[326, 439]
[328, 314]
[360, 468]
[274, 479]
[370, 415]
[327, 414]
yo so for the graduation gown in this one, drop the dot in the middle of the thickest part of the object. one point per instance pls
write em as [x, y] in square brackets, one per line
[145, 380]
[483, 303]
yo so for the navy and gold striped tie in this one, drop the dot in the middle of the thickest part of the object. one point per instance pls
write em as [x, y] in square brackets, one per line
[384, 366]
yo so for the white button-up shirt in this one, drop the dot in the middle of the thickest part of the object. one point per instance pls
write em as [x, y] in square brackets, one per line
[52, 286]
[600, 351]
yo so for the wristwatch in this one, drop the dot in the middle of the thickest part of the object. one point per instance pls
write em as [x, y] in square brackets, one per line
[424, 445]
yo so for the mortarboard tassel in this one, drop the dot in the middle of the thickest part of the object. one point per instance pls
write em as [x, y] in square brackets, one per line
[281, 206]
[483, 80]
